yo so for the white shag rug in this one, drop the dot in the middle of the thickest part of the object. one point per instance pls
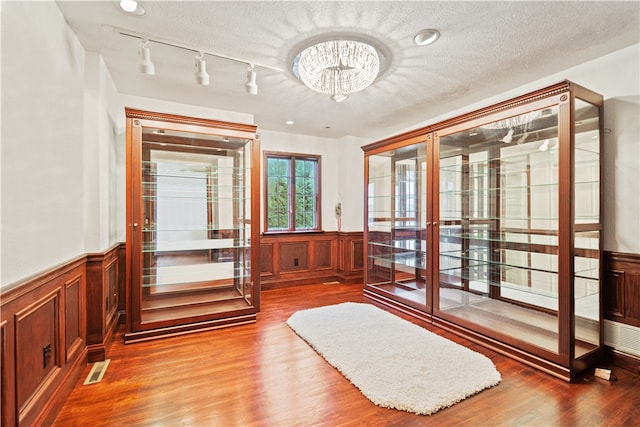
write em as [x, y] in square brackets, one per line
[394, 363]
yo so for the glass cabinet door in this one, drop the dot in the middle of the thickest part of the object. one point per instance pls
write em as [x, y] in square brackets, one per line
[195, 242]
[489, 225]
[587, 228]
[190, 238]
[502, 210]
[397, 223]
[499, 227]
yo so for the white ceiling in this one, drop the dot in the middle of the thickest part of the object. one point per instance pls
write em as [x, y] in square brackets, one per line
[485, 48]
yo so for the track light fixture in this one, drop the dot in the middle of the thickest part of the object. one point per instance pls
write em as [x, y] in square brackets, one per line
[549, 144]
[508, 137]
[201, 75]
[251, 86]
[145, 66]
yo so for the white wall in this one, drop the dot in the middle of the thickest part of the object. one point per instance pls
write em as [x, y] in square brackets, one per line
[350, 170]
[42, 140]
[99, 159]
[161, 106]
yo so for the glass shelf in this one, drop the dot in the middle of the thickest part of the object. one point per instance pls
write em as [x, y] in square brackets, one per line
[185, 228]
[404, 259]
[542, 161]
[196, 274]
[447, 216]
[409, 244]
[194, 245]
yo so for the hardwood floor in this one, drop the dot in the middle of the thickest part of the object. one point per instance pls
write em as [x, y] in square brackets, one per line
[264, 375]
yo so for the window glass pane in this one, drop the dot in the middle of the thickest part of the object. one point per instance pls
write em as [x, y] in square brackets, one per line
[292, 193]
[278, 194]
[305, 194]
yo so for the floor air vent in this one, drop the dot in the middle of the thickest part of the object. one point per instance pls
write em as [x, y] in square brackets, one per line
[97, 372]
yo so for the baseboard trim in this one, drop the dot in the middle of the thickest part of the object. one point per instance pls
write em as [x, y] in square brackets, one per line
[623, 360]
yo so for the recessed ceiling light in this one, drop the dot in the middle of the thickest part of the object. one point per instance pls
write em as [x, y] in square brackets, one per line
[426, 37]
[289, 122]
[132, 6]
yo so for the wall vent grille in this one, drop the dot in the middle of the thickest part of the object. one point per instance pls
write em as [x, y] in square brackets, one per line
[622, 337]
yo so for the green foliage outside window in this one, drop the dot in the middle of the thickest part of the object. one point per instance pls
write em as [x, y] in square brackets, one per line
[292, 184]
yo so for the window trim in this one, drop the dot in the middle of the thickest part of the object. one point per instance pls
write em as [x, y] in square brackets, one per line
[318, 211]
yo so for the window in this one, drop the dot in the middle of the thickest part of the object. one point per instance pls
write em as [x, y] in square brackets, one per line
[292, 192]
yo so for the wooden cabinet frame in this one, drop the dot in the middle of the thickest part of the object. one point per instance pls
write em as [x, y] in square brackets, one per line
[178, 135]
[573, 341]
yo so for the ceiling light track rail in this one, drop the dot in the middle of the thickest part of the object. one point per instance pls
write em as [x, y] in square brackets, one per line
[178, 45]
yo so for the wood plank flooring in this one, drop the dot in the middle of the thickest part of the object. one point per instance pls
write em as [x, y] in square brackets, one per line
[264, 375]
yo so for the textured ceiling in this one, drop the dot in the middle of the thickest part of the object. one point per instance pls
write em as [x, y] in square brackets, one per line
[485, 48]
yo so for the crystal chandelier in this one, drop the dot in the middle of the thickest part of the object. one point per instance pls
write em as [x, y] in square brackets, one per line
[338, 67]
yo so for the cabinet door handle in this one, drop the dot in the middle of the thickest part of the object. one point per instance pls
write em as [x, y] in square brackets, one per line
[135, 225]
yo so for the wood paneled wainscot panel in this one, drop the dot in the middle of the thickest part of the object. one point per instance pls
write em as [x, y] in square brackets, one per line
[622, 287]
[293, 256]
[3, 375]
[622, 303]
[324, 255]
[43, 343]
[37, 331]
[103, 300]
[350, 257]
[74, 318]
[290, 259]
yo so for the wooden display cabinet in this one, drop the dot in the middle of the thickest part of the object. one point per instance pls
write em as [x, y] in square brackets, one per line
[489, 225]
[192, 224]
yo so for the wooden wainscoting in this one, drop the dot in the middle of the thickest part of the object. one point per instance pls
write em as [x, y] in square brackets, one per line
[103, 300]
[350, 257]
[49, 325]
[621, 293]
[43, 343]
[302, 258]
[622, 287]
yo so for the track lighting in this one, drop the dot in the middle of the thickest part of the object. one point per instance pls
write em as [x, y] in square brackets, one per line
[545, 144]
[508, 137]
[145, 66]
[251, 86]
[201, 75]
[523, 138]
